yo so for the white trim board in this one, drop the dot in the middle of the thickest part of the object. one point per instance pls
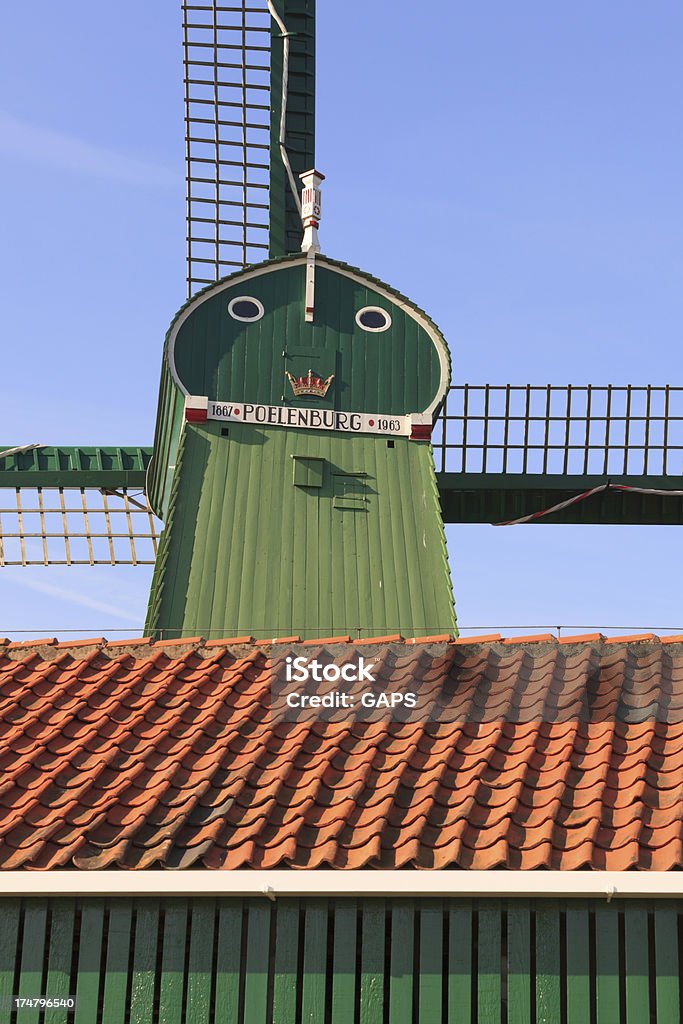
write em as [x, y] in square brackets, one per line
[410, 883]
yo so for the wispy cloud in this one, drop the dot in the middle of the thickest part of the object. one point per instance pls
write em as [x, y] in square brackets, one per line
[57, 149]
[74, 597]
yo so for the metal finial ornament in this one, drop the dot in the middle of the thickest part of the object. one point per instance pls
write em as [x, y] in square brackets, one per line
[311, 207]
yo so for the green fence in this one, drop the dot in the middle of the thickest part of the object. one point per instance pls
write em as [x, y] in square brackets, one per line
[371, 961]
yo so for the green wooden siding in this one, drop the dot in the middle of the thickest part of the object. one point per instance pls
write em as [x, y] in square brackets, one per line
[64, 466]
[351, 542]
[246, 550]
[342, 961]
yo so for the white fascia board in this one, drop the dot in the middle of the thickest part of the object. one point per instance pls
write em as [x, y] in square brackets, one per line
[411, 883]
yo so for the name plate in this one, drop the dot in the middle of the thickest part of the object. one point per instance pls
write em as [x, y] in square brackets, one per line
[309, 419]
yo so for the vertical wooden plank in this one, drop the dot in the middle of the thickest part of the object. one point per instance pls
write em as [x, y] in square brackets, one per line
[144, 959]
[118, 955]
[173, 941]
[59, 957]
[637, 973]
[9, 933]
[547, 961]
[228, 961]
[198, 1005]
[488, 981]
[32, 956]
[258, 943]
[519, 961]
[315, 954]
[578, 963]
[666, 961]
[89, 960]
[430, 993]
[344, 960]
[372, 962]
[460, 960]
[286, 961]
[606, 964]
[401, 962]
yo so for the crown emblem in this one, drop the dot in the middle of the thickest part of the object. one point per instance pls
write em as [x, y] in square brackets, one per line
[310, 384]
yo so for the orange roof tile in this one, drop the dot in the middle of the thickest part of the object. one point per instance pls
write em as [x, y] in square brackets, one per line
[395, 638]
[535, 638]
[541, 755]
[489, 638]
[327, 640]
[177, 640]
[579, 638]
[235, 641]
[438, 638]
[48, 641]
[634, 639]
[278, 640]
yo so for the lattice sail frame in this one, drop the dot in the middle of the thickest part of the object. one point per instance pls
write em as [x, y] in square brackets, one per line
[227, 117]
[76, 526]
[561, 430]
[238, 75]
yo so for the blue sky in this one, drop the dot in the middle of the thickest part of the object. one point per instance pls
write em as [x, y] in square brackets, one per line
[514, 168]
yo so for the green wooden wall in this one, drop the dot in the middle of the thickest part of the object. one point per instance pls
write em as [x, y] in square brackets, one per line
[318, 961]
[248, 550]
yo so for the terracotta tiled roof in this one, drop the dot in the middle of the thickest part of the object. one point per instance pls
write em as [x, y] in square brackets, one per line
[133, 755]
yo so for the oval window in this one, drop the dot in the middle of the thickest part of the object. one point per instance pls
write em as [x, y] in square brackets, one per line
[372, 318]
[245, 308]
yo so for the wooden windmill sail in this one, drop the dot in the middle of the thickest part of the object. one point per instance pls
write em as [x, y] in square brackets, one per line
[502, 453]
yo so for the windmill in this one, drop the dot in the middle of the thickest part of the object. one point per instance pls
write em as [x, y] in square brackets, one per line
[502, 453]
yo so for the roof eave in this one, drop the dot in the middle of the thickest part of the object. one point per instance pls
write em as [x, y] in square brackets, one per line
[411, 883]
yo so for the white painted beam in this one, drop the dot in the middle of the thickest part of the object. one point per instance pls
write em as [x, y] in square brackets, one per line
[409, 883]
